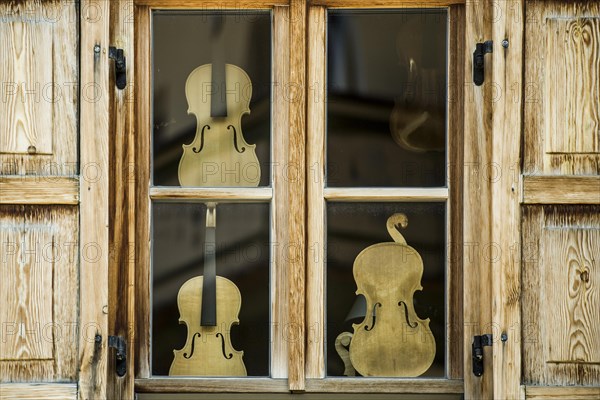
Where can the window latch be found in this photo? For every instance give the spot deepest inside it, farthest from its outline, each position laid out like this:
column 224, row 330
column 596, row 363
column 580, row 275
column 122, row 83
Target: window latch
column 481, row 49
column 120, row 345
column 120, row 66
column 477, row 352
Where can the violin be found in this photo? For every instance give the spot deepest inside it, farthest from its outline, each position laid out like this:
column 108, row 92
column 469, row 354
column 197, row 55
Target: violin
column 392, row 340
column 208, row 305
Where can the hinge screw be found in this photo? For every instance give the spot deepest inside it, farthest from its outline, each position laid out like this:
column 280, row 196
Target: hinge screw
column 505, row 43
column 97, row 49
column 504, row 337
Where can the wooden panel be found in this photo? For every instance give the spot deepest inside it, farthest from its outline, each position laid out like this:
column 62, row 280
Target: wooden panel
column 39, row 88
column 561, row 190
column 315, row 124
column 560, row 92
column 208, row 385
column 279, row 206
column 296, row 193
column 200, row 194
column 39, row 190
column 572, row 107
column 477, row 267
column 94, row 196
column 385, row 3
column 561, row 392
column 560, row 311
column 38, row 293
column 571, row 277
column 387, row 194
column 384, row 385
column 212, row 4
column 507, row 76
column 36, row 391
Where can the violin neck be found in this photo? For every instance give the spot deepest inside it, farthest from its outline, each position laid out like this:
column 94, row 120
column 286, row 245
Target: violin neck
column 208, row 315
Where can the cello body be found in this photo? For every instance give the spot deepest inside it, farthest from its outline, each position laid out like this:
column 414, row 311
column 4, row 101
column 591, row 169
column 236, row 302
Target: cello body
column 208, row 350
column 219, row 155
column 392, row 341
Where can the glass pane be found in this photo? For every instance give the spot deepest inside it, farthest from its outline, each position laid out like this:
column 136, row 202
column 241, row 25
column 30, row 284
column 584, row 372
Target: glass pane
column 179, row 236
column 386, row 273
column 185, row 46
column 386, row 100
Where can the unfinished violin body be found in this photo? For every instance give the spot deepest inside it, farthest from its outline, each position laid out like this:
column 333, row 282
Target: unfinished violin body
column 392, row 340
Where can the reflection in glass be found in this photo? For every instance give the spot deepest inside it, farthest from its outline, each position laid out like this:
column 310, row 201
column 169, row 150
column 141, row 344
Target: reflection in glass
column 386, row 98
column 242, row 256
column 183, row 42
column 352, row 228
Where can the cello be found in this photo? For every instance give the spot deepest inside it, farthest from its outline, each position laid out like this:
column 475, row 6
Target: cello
column 392, row 340
column 209, row 305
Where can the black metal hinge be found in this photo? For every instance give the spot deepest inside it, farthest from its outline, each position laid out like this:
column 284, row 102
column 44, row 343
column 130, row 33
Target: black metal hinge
column 477, row 352
column 120, row 66
column 120, row 345
column 481, row 49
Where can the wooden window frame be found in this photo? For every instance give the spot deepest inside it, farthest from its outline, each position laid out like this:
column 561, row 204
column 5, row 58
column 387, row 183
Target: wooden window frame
column 318, row 195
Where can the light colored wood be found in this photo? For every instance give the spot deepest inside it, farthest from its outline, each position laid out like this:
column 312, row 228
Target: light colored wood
column 279, row 206
column 386, row 194
column 477, row 290
column 208, row 350
column 260, row 194
column 573, row 66
column 572, row 109
column 39, row 190
column 39, row 104
column 143, row 81
column 342, row 342
column 39, row 293
column 384, row 385
column 507, row 65
column 211, row 385
column 296, row 193
column 219, row 155
column 206, row 5
column 558, row 240
column 315, row 225
column 561, row 190
column 455, row 121
column 385, row 3
column 36, row 391
column 122, row 216
column 392, row 340
column 561, row 392
column 571, row 275
column 94, row 194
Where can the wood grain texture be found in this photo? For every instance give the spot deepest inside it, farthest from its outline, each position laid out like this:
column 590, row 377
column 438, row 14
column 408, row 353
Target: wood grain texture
column 212, row 4
column 572, row 109
column 36, row 391
column 315, row 153
column 507, row 75
column 39, row 190
column 549, row 106
column 477, row 225
column 386, row 194
column 296, row 197
column 229, row 195
column 385, row 3
column 39, row 96
column 122, row 216
column 556, row 305
column 454, row 282
column 570, row 283
column 561, row 190
column 94, row 197
column 142, row 183
column 279, row 205
column 561, row 392
column 212, row 385
column 384, row 385
column 38, row 293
